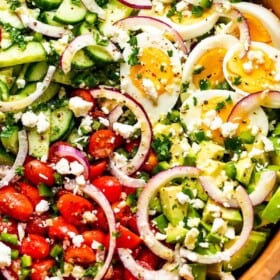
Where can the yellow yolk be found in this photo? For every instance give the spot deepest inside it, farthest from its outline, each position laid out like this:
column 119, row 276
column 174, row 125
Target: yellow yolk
column 257, row 31
column 155, row 66
column 212, row 63
column 256, row 77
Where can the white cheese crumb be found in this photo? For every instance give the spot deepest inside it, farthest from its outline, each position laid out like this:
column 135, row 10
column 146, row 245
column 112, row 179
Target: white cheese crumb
column 104, row 121
column 77, row 240
column 20, row 83
column 89, row 216
column 228, row 129
column 219, row 226
column 76, row 168
column 29, row 119
column 42, row 206
column 42, row 123
column 193, row 222
column 182, row 198
column 62, row 166
column 5, row 256
column 150, row 89
column 268, row 145
column 160, row 236
column 79, row 106
column 125, row 130
column 190, row 238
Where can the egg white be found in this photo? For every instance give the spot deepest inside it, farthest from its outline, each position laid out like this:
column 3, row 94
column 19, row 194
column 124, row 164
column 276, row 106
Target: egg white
column 267, row 18
column 164, row 102
column 191, row 113
column 271, row 52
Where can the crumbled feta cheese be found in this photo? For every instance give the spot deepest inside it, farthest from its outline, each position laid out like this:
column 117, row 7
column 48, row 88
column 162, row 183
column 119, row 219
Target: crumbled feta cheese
column 96, row 245
column 77, row 240
column 256, row 56
column 20, row 83
column 42, row 123
column 89, row 216
column 230, row 233
column 104, row 121
column 21, row 230
column 185, row 271
column 190, row 238
column 255, row 152
column 160, row 236
column 150, row 89
column 29, row 119
column 197, row 203
column 62, row 166
column 42, row 206
column 193, row 222
column 248, row 67
column 125, row 130
column 182, row 198
column 228, row 129
column 5, row 256
column 79, row 106
column 78, row 272
column 209, row 117
column 86, row 123
column 219, row 226
column 268, row 145
column 80, row 180
column 76, row 168
column 216, row 123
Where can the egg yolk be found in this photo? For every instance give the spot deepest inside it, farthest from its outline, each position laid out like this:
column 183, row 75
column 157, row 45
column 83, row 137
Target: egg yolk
column 153, row 74
column 252, row 75
column 211, row 65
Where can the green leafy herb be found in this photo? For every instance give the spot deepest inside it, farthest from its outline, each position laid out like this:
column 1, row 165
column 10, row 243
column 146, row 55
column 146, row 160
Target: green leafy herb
column 161, row 146
column 184, row 87
column 16, row 35
column 204, row 84
column 20, row 171
column 233, row 144
column 237, row 80
column 198, row 70
column 220, row 106
column 197, row 11
column 13, row 4
column 102, row 3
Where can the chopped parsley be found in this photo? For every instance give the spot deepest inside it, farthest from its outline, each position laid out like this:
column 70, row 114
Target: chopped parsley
column 161, row 145
column 16, row 35
column 237, row 80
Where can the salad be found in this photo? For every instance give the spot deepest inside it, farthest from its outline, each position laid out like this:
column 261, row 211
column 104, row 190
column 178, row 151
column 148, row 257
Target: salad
column 139, row 139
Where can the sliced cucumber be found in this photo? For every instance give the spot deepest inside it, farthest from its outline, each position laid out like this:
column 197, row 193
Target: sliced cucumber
column 33, row 52
column 99, row 54
column 48, row 17
column 86, row 28
column 36, row 71
column 6, row 158
column 70, row 12
column 60, row 121
column 9, row 139
column 61, row 78
column 39, row 143
column 7, row 76
column 4, row 91
column 81, row 60
column 47, row 4
column 9, row 17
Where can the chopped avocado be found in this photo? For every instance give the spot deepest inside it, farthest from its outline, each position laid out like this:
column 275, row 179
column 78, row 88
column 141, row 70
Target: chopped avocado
column 244, row 170
column 248, row 252
column 257, row 150
column 272, row 210
column 211, row 167
column 198, row 271
column 195, row 186
column 9, row 138
column 175, row 234
column 171, row 207
column 210, row 150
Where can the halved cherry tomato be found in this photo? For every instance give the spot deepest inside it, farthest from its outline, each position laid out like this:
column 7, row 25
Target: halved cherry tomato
column 15, row 205
column 132, row 224
column 110, row 186
column 126, row 238
column 147, row 256
column 38, row 172
column 97, row 169
column 31, row 192
column 122, row 212
column 35, row 246
column 84, row 94
column 37, row 224
column 61, row 229
column 40, row 268
column 132, row 145
column 9, row 226
column 72, row 208
column 102, row 143
column 117, row 273
column 151, row 161
column 95, row 235
column 101, row 221
column 80, row 255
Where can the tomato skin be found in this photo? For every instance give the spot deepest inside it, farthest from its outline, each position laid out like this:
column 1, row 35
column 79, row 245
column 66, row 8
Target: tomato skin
column 9, row 226
column 147, row 256
column 132, row 224
column 80, row 255
column 38, row 172
column 36, row 224
column 101, row 221
column 127, row 239
column 97, row 169
column 110, row 186
column 15, row 205
column 40, row 269
column 72, row 207
column 31, row 192
column 102, row 143
column 60, row 229
column 151, row 161
column 95, row 235
column 35, row 246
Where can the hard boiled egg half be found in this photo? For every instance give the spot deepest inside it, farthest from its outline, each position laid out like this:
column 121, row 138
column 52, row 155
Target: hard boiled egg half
column 258, row 70
column 208, row 111
column 154, row 80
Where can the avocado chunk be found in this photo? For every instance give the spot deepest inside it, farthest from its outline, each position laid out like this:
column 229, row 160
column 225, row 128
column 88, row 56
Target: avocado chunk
column 175, row 234
column 210, row 150
column 9, row 138
column 272, row 210
column 248, row 252
column 198, row 271
column 244, row 170
column 171, row 207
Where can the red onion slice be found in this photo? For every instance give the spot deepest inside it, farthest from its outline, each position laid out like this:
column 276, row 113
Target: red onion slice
column 140, row 272
column 142, row 215
column 19, row 161
column 68, row 151
column 227, row 10
column 81, row 42
column 92, row 6
column 262, row 189
column 99, row 198
column 11, row 106
column 248, row 218
column 137, row 4
column 137, row 22
column 38, row 26
column 269, row 99
column 146, row 130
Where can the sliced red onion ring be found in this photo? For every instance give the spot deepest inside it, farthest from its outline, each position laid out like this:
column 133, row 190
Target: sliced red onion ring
column 81, row 42
column 248, row 217
column 99, row 198
column 142, row 215
column 46, row 29
column 140, row 272
column 136, row 22
column 115, row 114
column 262, row 189
column 227, row 10
column 92, row 6
column 146, row 130
column 19, row 161
column 11, row 106
column 63, row 150
column 7, row 274
column 137, row 4
column 269, row 99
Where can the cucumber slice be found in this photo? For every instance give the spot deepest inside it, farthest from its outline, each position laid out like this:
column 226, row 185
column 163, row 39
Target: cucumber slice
column 6, row 158
column 99, row 54
column 70, row 12
column 9, row 139
column 48, row 17
column 47, row 4
column 60, row 121
column 33, row 52
column 36, row 71
column 4, row 91
column 61, row 78
column 81, row 60
column 9, row 17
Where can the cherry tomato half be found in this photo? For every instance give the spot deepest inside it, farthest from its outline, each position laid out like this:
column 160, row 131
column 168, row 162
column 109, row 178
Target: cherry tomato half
column 97, row 169
column 84, row 94
column 61, row 229
column 95, row 235
column 31, row 192
column 40, row 269
column 80, row 255
column 127, row 239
